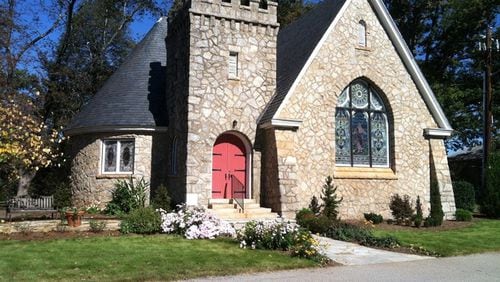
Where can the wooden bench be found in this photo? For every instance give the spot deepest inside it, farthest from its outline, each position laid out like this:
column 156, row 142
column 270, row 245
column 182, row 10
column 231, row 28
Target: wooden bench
column 30, row 205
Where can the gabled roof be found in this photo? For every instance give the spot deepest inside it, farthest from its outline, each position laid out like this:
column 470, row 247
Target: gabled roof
column 295, row 45
column 134, row 97
column 299, row 43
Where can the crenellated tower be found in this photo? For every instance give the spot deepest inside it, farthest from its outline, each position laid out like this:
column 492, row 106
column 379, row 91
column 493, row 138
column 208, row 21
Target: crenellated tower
column 229, row 48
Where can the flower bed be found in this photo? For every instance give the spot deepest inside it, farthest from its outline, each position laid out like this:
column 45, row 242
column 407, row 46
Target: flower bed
column 194, row 223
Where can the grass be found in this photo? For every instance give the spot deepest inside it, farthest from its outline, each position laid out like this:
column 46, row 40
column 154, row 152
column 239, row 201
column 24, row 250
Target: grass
column 158, row 257
column 482, row 236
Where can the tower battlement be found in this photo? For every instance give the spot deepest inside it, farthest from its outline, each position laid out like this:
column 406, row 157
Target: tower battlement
column 235, row 10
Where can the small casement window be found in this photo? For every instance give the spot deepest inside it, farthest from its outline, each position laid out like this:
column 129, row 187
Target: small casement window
column 173, row 157
column 118, row 156
column 233, row 65
column 362, row 33
column 361, row 127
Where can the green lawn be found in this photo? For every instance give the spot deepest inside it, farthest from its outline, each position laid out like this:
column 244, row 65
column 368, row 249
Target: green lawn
column 158, row 257
column 482, row 236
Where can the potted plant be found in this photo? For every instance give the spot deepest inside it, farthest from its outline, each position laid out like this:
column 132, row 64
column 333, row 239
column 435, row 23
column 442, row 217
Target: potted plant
column 73, row 216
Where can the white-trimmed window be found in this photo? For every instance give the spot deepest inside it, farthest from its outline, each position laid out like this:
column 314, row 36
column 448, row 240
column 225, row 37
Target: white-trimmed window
column 117, row 156
column 362, row 33
column 173, row 157
column 232, row 65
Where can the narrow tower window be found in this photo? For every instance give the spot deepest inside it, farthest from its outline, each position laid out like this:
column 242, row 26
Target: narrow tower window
column 362, row 33
column 233, row 65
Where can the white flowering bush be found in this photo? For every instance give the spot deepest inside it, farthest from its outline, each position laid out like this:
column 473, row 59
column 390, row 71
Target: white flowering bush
column 279, row 235
column 194, row 223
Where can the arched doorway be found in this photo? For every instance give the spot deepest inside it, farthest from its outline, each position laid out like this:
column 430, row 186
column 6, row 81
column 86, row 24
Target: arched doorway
column 229, row 167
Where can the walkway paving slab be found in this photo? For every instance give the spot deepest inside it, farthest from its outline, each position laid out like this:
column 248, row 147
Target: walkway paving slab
column 353, row 254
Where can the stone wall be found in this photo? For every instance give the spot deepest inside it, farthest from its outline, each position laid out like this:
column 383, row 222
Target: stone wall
column 439, row 162
column 90, row 186
column 216, row 102
column 307, row 156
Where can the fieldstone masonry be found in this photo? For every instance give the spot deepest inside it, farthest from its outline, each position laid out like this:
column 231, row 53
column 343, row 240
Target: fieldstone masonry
column 288, row 166
column 218, row 103
column 307, row 156
column 90, row 186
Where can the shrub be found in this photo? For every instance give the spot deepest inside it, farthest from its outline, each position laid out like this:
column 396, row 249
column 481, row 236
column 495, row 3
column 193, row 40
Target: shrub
column 269, row 235
column 143, row 220
column 330, row 202
column 314, row 206
column 127, row 197
column 352, row 233
column 315, row 224
column 97, row 226
column 419, row 217
column 194, row 223
column 436, row 215
column 303, row 213
column 491, row 201
column 374, row 218
column 62, row 195
column 161, row 199
column 279, row 235
column 464, row 195
column 401, row 208
column 463, row 215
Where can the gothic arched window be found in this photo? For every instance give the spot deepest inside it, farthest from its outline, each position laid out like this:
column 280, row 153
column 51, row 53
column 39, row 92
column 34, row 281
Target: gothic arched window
column 361, row 127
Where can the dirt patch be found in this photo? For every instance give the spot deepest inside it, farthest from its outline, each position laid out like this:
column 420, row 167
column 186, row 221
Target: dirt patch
column 447, row 225
column 38, row 236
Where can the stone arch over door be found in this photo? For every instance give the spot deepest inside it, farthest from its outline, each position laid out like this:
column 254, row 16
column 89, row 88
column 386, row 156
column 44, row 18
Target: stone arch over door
column 231, row 166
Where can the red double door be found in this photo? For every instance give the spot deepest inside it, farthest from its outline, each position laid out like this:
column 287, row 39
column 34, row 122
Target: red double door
column 229, row 168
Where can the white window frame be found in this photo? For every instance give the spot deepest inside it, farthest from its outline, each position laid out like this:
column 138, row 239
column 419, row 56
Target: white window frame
column 362, row 40
column 118, row 156
column 232, row 67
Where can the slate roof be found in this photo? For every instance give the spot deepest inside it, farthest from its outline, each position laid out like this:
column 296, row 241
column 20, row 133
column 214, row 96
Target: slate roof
column 296, row 43
column 134, row 96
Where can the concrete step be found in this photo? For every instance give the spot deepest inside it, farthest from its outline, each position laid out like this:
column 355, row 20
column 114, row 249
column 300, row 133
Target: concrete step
column 221, row 206
column 228, row 209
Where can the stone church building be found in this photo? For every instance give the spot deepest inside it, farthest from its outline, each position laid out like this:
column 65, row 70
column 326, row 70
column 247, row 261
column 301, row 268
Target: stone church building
column 219, row 102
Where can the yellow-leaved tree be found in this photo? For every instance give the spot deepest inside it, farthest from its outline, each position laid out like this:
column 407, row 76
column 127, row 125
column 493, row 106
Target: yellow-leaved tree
column 26, row 144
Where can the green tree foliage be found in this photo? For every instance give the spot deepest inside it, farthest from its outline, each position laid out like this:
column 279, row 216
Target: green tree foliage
column 491, row 202
column 95, row 41
column 330, row 202
column 443, row 36
column 291, row 10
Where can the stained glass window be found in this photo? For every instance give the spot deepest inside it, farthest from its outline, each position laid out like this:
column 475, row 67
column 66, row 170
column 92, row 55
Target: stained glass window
column 118, row 156
column 361, row 127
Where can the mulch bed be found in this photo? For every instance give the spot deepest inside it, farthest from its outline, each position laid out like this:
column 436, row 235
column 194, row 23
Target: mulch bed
column 39, row 236
column 447, row 225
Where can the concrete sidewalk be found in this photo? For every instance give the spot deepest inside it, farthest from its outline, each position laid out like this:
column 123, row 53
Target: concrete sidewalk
column 353, row 254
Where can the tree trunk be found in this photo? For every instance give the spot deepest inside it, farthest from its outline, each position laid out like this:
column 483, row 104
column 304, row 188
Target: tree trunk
column 25, row 178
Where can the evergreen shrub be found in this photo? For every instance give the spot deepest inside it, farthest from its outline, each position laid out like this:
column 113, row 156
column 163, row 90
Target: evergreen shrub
column 464, row 195
column 436, row 215
column 374, row 218
column 142, row 220
column 161, row 199
column 491, row 202
column 330, row 202
column 401, row 208
column 463, row 215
